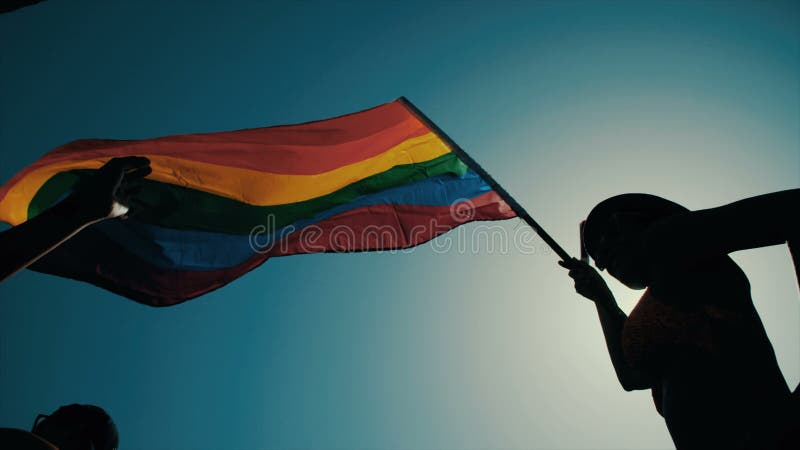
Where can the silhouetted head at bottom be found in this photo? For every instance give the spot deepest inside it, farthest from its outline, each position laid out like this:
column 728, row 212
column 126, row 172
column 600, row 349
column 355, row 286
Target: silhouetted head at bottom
column 78, row 427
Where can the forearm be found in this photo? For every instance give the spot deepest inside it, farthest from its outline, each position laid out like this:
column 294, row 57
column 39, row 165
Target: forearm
column 765, row 220
column 589, row 284
column 612, row 320
column 29, row 241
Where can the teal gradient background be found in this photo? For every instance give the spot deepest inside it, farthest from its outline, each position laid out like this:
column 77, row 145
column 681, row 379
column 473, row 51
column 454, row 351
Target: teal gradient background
column 565, row 103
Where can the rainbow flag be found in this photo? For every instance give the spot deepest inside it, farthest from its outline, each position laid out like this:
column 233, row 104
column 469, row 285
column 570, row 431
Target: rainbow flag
column 217, row 205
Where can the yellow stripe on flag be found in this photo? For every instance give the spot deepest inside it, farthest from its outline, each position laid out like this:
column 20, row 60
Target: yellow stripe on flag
column 245, row 185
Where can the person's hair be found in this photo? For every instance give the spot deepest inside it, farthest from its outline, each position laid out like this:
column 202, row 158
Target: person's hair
column 78, row 427
column 650, row 207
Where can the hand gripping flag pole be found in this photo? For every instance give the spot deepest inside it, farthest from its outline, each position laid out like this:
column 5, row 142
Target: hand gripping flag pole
column 515, row 206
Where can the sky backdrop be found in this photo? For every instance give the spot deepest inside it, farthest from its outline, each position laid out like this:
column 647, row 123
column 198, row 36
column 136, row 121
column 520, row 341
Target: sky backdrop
column 565, row 103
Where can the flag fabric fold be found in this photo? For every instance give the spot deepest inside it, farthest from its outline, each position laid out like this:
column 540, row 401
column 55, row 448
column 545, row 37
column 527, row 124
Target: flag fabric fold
column 217, row 205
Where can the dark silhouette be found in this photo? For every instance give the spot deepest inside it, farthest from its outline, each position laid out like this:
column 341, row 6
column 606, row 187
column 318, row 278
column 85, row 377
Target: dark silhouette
column 13, row 5
column 104, row 195
column 78, row 427
column 694, row 338
column 71, row 427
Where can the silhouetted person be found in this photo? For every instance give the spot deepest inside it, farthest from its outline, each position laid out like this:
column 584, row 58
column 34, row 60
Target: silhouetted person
column 71, row 427
column 104, row 195
column 694, row 338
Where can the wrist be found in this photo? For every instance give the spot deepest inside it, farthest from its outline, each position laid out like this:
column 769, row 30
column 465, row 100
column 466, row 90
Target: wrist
column 69, row 210
column 606, row 301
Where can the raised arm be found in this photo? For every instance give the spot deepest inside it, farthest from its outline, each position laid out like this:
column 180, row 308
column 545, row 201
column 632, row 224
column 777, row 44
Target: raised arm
column 105, row 195
column 591, row 285
column 769, row 219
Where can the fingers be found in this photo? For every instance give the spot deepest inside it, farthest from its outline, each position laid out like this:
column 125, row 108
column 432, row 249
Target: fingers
column 138, row 173
column 130, row 190
column 571, row 263
column 127, row 163
column 579, row 271
column 123, row 172
column 588, row 282
column 580, row 276
column 576, row 265
column 132, row 167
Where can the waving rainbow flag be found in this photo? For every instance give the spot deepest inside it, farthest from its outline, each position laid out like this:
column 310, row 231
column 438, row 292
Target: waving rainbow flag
column 217, row 205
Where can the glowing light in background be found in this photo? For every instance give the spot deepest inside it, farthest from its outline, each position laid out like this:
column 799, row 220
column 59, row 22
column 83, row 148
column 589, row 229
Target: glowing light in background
column 564, row 103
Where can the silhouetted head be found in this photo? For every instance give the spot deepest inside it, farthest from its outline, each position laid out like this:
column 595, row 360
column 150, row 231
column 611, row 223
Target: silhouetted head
column 78, row 427
column 614, row 223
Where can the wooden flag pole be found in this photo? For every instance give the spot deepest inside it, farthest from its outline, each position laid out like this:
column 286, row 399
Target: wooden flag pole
column 516, row 207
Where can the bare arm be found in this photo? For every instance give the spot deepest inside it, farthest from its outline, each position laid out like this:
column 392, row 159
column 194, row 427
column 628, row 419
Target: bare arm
column 591, row 285
column 769, row 219
column 24, row 244
column 103, row 196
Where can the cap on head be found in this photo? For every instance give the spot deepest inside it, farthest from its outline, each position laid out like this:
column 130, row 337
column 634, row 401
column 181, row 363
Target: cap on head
column 650, row 207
